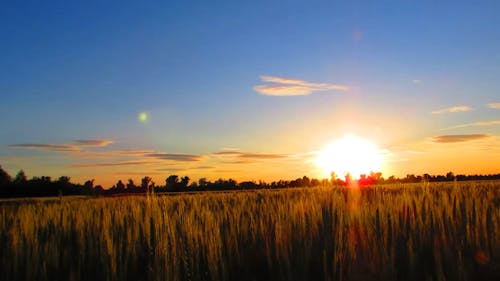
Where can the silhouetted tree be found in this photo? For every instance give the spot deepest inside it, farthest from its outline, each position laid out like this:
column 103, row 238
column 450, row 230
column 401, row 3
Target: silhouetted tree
column 5, row 178
column 131, row 184
column 45, row 179
column 193, row 186
column 184, row 181
column 89, row 184
column 44, row 186
column 172, row 180
column 145, row 182
column 64, row 180
column 305, row 181
column 203, row 183
column 248, row 185
column 98, row 189
column 172, row 183
column 120, row 187
column 426, row 177
column 63, row 185
column 376, row 177
column 20, row 178
column 222, row 184
column 314, row 182
column 88, row 187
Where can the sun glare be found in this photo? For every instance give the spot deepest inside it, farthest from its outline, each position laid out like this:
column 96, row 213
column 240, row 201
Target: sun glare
column 351, row 155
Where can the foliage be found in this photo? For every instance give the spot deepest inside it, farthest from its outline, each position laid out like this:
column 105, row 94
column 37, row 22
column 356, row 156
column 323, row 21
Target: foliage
column 5, row 178
column 20, row 186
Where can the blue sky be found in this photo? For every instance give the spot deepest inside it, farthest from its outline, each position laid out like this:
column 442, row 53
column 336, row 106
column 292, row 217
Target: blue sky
column 84, row 71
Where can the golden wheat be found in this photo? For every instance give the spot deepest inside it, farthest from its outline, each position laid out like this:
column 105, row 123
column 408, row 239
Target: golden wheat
column 445, row 231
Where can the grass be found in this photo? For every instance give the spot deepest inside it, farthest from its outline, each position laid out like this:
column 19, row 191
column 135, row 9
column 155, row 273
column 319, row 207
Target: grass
column 422, row 231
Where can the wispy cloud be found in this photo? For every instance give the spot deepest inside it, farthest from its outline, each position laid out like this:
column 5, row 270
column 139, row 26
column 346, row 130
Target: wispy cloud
column 494, row 105
column 131, row 152
column 228, row 153
column 459, row 138
column 125, row 163
column 261, row 156
column 239, row 162
column 293, row 87
column 142, row 173
column 178, row 169
column 41, row 146
column 93, row 143
column 202, row 168
column 175, row 157
column 475, row 124
column 460, row 108
column 249, row 155
column 74, row 146
column 79, row 149
column 170, row 169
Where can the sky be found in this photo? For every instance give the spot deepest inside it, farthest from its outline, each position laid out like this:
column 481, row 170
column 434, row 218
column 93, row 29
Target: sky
column 249, row 90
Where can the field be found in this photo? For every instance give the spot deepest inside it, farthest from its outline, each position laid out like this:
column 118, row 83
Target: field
column 445, row 231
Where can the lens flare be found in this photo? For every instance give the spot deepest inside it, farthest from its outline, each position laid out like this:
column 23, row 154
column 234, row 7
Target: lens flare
column 143, row 117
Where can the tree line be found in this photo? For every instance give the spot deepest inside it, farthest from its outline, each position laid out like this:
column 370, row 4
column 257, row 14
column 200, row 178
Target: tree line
column 21, row 186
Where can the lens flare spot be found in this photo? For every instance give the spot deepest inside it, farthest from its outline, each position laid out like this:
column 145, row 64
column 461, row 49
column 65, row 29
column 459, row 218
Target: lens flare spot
column 481, row 257
column 143, row 117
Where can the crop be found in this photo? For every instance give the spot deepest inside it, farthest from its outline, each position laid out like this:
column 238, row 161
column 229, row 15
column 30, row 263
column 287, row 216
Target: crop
column 445, row 231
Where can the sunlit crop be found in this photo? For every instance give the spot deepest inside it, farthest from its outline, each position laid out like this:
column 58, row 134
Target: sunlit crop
column 401, row 232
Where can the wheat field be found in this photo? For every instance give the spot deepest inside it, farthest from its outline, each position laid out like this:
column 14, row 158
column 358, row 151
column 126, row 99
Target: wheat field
column 437, row 231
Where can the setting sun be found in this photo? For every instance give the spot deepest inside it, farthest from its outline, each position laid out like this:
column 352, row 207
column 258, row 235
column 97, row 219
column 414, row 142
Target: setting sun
column 351, row 155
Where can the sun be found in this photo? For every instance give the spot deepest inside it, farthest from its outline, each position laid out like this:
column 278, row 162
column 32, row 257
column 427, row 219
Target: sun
column 350, row 154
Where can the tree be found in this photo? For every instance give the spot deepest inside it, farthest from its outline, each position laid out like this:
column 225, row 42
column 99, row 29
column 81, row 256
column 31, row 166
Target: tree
column 172, row 182
column 193, row 185
column 184, row 181
column 315, row 182
column 427, row 177
column 203, row 183
column 89, row 184
column 146, row 182
column 5, row 178
column 120, row 186
column 305, row 181
column 376, row 177
column 88, row 187
column 45, row 179
column 63, row 180
column 130, row 184
column 20, row 178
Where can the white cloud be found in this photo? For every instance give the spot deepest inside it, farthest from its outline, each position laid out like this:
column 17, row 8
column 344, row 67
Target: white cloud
column 294, row 87
column 459, row 138
column 460, row 108
column 77, row 145
column 494, row 105
column 476, row 124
